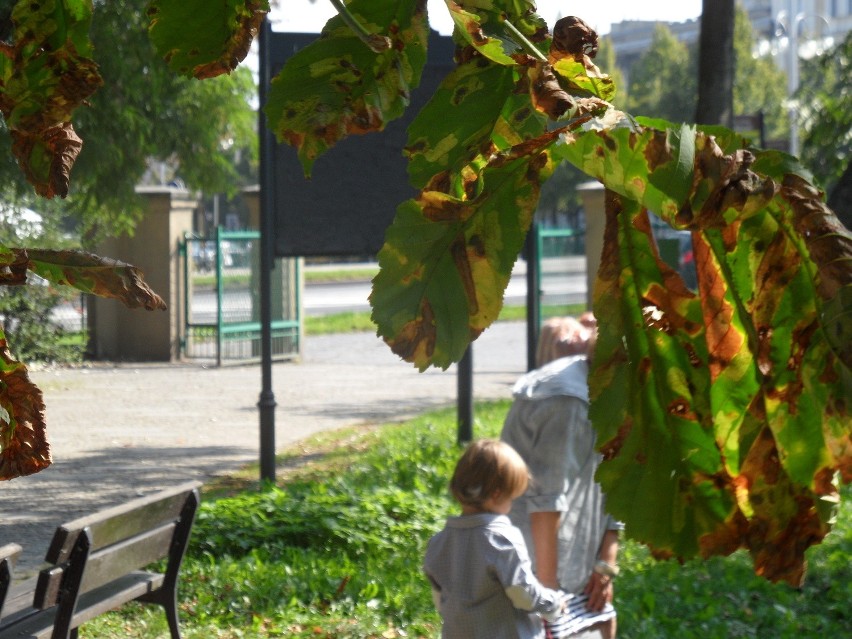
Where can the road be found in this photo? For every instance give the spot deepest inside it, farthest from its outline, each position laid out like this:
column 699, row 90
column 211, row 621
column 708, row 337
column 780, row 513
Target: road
column 563, row 281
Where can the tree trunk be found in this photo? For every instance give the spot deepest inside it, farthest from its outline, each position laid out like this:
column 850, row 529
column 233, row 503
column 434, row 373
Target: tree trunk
column 840, row 200
column 716, row 64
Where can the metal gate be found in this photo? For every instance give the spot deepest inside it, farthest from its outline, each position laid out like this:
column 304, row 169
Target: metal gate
column 222, row 300
column 560, row 270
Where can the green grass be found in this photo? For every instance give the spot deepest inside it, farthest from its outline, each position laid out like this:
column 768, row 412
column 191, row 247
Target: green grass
column 208, row 280
column 334, row 551
column 348, row 322
column 352, row 321
column 312, row 276
column 316, row 276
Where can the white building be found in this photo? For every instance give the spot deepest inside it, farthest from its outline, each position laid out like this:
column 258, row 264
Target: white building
column 819, row 23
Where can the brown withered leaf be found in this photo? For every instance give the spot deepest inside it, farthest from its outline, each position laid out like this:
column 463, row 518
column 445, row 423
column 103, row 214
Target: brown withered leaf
column 24, row 449
column 47, row 157
column 15, row 272
column 91, row 273
column 547, row 95
column 573, row 38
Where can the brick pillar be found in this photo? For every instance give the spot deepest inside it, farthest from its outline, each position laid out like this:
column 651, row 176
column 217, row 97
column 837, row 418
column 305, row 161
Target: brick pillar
column 122, row 334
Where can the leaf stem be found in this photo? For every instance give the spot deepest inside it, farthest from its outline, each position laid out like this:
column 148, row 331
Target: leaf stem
column 377, row 43
column 521, row 39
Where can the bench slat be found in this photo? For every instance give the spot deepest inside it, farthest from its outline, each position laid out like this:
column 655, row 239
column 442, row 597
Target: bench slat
column 8, row 556
column 107, row 564
column 90, row 605
column 18, row 599
column 113, row 524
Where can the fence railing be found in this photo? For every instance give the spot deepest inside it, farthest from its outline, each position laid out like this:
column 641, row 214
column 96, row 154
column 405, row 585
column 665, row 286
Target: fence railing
column 222, row 301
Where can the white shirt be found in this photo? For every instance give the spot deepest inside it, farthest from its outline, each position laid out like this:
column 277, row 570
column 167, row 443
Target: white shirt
column 548, row 425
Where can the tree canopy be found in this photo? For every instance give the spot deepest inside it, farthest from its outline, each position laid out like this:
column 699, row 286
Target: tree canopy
column 722, row 412
column 141, row 112
column 663, row 81
column 824, row 102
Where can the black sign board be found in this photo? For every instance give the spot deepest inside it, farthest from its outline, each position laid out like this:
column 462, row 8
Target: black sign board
column 354, row 189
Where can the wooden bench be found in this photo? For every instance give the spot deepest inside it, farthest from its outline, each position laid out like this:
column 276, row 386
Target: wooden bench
column 97, row 563
column 8, row 554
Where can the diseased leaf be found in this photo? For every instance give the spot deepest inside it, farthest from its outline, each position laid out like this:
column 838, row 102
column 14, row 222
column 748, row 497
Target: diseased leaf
column 650, row 393
column 23, row 444
column 775, row 372
column 684, row 408
column 47, row 157
column 446, row 261
column 45, row 74
column 585, row 80
column 481, row 26
column 220, row 37
column 573, row 46
column 337, row 86
column 92, row 274
column 489, row 116
column 573, row 38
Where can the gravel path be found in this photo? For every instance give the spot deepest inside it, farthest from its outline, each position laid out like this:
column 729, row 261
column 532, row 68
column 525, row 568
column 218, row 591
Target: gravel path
column 121, row 431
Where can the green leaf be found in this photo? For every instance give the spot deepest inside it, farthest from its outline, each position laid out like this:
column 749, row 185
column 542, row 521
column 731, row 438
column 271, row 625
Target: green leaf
column 585, row 82
column 480, row 25
column 446, row 262
column 769, row 257
column 203, row 39
column 337, row 86
column 488, row 115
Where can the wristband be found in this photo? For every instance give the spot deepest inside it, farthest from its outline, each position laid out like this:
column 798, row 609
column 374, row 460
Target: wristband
column 606, row 569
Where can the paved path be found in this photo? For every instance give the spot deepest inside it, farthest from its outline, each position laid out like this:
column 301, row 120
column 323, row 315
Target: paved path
column 118, row 432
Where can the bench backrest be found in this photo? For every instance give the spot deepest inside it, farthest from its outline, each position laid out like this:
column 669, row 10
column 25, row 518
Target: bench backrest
column 8, row 555
column 92, row 551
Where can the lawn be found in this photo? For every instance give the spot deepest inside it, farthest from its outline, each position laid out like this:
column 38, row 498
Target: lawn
column 334, row 551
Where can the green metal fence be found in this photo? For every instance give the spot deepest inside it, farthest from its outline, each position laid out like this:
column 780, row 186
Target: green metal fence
column 222, row 301
column 560, row 271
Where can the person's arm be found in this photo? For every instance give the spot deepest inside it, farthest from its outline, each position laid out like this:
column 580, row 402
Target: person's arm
column 544, row 527
column 599, row 588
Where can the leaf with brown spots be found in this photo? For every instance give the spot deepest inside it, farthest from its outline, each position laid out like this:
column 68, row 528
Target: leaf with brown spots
column 337, row 86
column 45, row 74
column 764, row 362
column 490, row 115
column 220, row 37
column 90, row 273
column 482, row 27
column 446, row 261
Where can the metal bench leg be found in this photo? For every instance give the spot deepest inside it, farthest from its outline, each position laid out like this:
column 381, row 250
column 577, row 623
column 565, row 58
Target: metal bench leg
column 172, row 616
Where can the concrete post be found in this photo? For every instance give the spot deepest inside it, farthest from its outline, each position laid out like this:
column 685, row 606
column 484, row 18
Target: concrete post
column 122, row 334
column 592, row 195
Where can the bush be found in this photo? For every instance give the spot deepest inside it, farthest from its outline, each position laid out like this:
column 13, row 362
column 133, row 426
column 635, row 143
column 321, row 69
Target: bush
column 31, row 332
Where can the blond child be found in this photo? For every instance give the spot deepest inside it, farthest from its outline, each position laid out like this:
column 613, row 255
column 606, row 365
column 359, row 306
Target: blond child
column 482, row 579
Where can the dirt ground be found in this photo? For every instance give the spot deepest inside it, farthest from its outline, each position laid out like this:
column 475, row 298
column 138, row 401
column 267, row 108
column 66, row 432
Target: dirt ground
column 122, row 431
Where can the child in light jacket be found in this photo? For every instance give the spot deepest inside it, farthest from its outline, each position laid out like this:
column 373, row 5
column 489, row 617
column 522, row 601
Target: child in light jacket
column 478, row 565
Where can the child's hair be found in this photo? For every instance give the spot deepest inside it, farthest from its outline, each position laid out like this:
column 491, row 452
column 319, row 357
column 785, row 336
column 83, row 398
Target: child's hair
column 488, row 467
